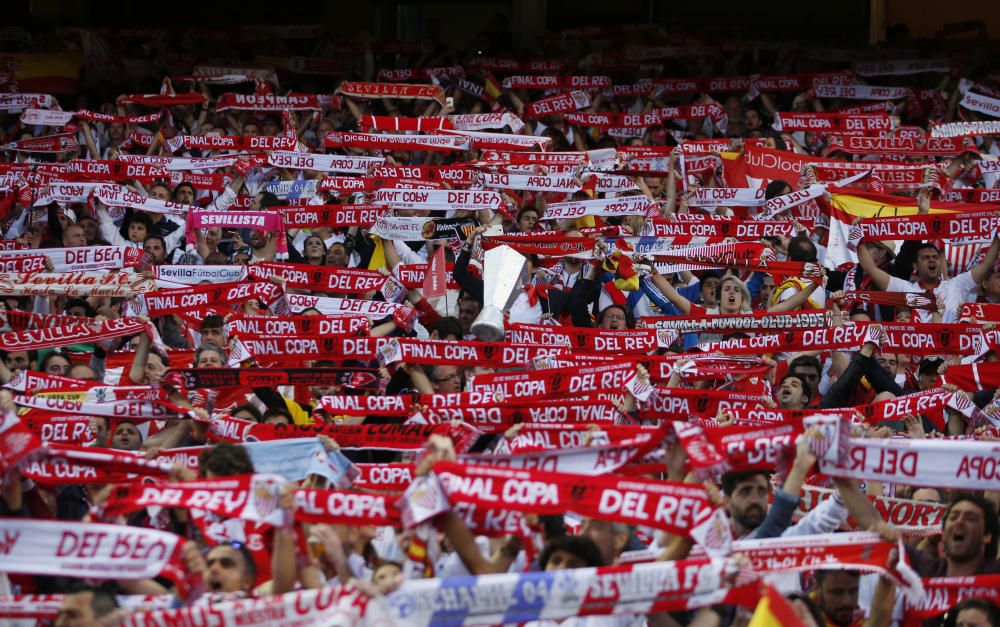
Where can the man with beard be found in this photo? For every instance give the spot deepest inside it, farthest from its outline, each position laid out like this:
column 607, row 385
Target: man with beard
column 929, row 267
column 970, row 532
column 748, row 492
column 836, row 594
column 263, row 245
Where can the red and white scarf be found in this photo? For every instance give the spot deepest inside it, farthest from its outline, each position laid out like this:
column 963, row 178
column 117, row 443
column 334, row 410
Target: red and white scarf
column 638, row 205
column 959, row 464
column 861, row 92
column 438, row 199
column 385, row 141
column 322, row 163
column 90, row 550
column 334, row 216
column 392, row 90
column 980, row 104
column 267, row 102
column 75, row 284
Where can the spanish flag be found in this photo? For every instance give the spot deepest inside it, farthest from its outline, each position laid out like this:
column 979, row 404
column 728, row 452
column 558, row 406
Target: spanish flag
column 44, row 72
column 491, row 89
column 774, row 610
column 845, row 208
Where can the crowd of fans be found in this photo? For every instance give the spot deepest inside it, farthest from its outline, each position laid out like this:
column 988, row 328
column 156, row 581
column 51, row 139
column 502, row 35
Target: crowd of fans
column 278, row 347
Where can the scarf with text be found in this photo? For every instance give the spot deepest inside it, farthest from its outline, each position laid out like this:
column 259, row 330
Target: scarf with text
column 861, row 92
column 77, row 333
column 346, row 324
column 267, row 102
column 694, row 226
column 90, row 550
column 791, row 122
column 321, row 278
column 253, row 143
column 438, row 199
column 979, row 226
column 392, row 90
column 334, row 216
column 197, row 378
column 52, row 143
column 941, row 594
column 913, row 519
column 184, row 299
column 757, row 321
column 75, row 284
column 22, row 264
column 638, row 205
column 46, row 117
column 953, row 463
column 550, row 245
column 121, row 196
column 86, row 258
column 675, row 507
column 387, row 437
column 980, row 104
column 330, row 605
column 863, row 551
column 625, row 341
column 553, row 105
column 385, row 141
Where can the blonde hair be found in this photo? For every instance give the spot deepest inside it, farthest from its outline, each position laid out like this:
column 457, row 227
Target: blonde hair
column 745, row 302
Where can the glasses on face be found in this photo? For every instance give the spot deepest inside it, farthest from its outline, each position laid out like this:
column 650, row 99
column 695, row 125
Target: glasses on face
column 452, row 377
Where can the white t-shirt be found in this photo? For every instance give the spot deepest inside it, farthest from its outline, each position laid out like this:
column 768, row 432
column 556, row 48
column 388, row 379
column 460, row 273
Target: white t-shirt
column 954, row 291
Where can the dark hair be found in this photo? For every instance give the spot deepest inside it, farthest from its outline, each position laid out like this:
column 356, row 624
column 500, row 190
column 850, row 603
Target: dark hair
column 267, row 199
column 985, row 606
column 733, row 478
column 79, row 302
column 526, row 209
column 806, row 389
column 467, row 296
column 580, row 546
column 45, row 360
column 629, row 316
column 156, row 236
column 821, row 574
column 213, row 321
column 277, row 411
column 248, row 560
column 250, row 409
column 216, row 259
column 184, row 184
column 923, row 245
column 448, row 325
column 225, row 460
column 779, row 141
column 991, row 523
column 805, row 361
column 801, row 248
column 775, row 188
column 552, row 525
column 929, row 365
column 142, row 219
column 810, row 604
column 32, row 354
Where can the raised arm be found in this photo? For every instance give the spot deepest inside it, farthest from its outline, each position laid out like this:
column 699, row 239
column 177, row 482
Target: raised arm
column 879, row 277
